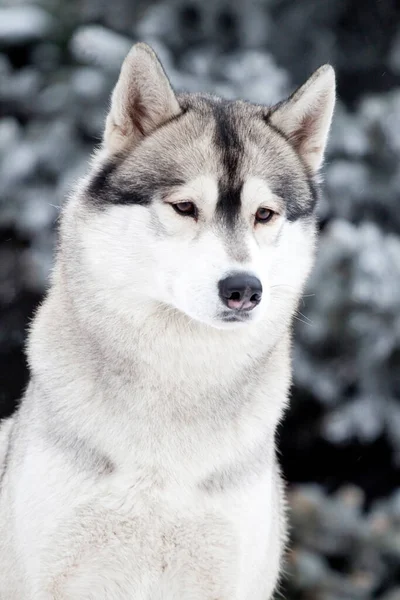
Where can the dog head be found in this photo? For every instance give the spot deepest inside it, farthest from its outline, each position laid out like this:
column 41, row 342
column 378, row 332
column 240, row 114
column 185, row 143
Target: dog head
column 200, row 204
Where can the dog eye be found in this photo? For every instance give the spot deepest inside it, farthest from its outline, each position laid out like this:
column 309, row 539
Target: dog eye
column 186, row 209
column 264, row 215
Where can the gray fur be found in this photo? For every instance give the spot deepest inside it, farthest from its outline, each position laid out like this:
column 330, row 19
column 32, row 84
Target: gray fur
column 141, row 462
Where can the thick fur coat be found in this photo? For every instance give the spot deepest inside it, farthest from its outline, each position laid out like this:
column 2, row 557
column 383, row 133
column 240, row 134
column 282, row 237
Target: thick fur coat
column 141, row 462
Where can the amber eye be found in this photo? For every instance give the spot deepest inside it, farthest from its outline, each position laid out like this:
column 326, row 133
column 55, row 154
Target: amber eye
column 186, row 209
column 264, row 215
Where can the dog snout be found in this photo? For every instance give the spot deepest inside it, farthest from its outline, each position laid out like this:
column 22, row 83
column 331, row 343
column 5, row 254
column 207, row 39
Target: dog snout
column 241, row 291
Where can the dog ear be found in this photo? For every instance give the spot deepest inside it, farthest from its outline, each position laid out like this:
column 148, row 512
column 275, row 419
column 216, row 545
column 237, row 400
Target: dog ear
column 305, row 118
column 142, row 100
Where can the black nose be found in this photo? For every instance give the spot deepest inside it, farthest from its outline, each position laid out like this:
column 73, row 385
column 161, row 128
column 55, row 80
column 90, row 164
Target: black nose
column 240, row 291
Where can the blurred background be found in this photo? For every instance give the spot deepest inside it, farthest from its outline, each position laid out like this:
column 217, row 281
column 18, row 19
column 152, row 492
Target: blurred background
column 340, row 442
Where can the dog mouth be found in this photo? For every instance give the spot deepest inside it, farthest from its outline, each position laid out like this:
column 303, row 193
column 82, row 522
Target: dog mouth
column 235, row 316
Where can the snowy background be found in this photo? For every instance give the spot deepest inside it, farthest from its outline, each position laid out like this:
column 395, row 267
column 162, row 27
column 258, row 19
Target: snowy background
column 340, row 443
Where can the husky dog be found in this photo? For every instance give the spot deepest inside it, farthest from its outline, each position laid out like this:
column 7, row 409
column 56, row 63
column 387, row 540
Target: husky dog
column 141, row 463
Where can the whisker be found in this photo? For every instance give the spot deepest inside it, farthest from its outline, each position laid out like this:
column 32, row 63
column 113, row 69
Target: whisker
column 301, row 320
column 279, row 285
column 305, row 316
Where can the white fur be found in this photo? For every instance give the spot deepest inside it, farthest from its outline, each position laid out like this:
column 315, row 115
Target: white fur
column 141, row 463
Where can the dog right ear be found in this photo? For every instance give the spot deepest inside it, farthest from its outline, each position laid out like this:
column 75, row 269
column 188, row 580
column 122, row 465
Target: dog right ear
column 142, row 100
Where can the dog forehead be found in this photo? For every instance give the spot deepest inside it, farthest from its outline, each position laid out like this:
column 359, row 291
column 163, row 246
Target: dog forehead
column 248, row 150
column 209, row 136
column 227, row 141
column 183, row 144
column 251, row 160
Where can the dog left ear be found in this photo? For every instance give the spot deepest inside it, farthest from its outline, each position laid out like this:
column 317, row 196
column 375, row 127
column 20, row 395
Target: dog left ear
column 142, row 100
column 305, row 118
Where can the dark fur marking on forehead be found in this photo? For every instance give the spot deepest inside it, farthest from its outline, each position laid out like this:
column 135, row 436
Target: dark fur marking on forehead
column 226, row 137
column 106, row 188
column 230, row 148
column 229, row 201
